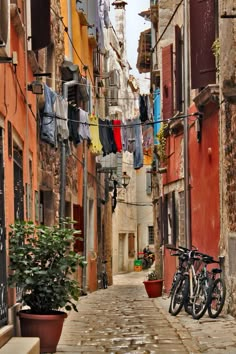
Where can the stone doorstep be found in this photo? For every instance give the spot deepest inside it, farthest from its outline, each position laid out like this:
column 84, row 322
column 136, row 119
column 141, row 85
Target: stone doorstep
column 21, row 345
column 6, row 333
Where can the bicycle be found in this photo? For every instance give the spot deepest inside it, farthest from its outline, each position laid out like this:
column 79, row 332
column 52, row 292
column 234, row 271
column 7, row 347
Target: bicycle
column 104, row 275
column 218, row 291
column 182, row 258
column 179, row 289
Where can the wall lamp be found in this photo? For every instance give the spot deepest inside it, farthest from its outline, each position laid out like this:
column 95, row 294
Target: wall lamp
column 36, row 87
column 125, row 180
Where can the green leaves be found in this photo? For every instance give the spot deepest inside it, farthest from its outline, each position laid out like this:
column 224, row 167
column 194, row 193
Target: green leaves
column 42, row 262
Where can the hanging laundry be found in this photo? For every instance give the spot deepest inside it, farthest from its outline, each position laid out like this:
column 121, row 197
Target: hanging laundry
column 73, row 124
column 106, row 137
column 144, row 108
column 138, row 153
column 117, row 134
column 48, row 119
column 84, row 132
column 96, row 146
column 61, row 109
column 130, row 130
column 124, row 137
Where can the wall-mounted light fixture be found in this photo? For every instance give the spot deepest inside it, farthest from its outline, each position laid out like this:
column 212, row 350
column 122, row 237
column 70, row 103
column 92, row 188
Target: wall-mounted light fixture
column 36, row 87
column 125, row 179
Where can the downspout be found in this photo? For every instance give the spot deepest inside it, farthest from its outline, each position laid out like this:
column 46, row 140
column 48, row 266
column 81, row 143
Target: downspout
column 186, row 131
column 69, row 19
column 85, row 197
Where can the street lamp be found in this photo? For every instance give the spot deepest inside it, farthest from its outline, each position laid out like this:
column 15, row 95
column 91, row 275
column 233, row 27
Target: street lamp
column 125, row 179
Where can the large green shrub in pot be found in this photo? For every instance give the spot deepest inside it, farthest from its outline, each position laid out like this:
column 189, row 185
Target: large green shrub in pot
column 42, row 264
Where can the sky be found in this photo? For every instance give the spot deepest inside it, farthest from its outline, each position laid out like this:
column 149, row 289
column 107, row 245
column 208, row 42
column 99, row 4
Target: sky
column 134, row 25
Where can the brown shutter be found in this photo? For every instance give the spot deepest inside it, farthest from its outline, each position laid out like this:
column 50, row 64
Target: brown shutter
column 173, row 218
column 79, row 225
column 167, row 81
column 131, row 249
column 202, row 31
column 40, row 23
column 165, row 219
column 178, row 70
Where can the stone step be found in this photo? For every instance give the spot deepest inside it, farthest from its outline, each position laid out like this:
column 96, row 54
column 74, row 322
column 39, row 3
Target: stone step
column 21, row 345
column 6, row 333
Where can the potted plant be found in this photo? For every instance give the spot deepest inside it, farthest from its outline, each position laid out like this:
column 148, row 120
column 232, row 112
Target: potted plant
column 42, row 264
column 153, row 284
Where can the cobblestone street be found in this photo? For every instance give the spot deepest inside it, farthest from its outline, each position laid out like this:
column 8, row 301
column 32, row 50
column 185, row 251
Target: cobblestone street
column 122, row 319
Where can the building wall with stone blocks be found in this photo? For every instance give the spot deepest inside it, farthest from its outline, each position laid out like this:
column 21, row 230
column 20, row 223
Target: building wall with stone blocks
column 227, row 134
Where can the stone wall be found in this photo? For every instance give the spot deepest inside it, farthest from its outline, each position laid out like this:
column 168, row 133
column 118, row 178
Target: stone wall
column 227, row 131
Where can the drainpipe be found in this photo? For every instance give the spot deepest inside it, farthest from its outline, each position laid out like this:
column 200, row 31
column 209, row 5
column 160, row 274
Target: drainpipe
column 66, row 85
column 186, row 104
column 69, row 19
column 85, row 197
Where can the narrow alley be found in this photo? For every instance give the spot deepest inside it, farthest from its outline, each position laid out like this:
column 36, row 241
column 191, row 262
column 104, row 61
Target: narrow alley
column 122, row 319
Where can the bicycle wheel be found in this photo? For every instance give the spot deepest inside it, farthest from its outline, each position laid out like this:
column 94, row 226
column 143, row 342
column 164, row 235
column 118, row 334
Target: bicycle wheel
column 104, row 281
column 179, row 295
column 175, row 280
column 201, row 299
column 217, row 298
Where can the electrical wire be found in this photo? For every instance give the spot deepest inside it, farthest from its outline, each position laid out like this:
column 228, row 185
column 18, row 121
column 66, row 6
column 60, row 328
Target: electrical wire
column 66, row 30
column 23, row 95
column 166, row 120
column 165, row 29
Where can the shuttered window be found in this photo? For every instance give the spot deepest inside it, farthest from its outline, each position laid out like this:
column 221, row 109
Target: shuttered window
column 40, row 23
column 167, row 81
column 202, row 31
column 148, row 181
column 178, row 70
column 168, row 219
column 131, row 246
column 79, row 225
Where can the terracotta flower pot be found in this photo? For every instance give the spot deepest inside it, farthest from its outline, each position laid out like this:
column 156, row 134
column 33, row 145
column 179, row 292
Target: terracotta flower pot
column 47, row 327
column 153, row 287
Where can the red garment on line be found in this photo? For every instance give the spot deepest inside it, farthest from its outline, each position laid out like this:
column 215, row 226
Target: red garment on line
column 117, row 134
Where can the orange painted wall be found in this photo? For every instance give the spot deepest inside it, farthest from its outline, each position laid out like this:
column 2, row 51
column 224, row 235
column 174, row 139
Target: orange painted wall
column 83, row 56
column 13, row 108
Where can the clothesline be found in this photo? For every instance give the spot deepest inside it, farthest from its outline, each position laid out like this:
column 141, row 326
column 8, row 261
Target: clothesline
column 166, row 120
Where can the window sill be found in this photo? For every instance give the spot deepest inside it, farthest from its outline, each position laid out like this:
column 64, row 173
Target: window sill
column 209, row 94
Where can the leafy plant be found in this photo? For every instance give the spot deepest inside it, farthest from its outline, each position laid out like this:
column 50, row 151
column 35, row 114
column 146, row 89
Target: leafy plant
column 161, row 147
column 216, row 52
column 42, row 264
column 152, row 275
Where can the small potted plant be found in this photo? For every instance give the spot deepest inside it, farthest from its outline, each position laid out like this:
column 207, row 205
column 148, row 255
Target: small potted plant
column 42, row 263
column 153, row 284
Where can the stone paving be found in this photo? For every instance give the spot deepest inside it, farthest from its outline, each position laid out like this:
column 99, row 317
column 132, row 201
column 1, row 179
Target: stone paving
column 122, row 319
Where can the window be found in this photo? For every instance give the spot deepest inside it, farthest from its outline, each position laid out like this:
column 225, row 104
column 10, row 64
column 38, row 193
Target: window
column 168, row 220
column 203, row 26
column 167, row 81
column 150, row 235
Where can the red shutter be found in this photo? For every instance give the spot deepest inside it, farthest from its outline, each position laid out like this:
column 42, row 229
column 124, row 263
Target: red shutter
column 178, row 70
column 167, row 81
column 202, row 31
column 40, row 23
column 78, row 216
